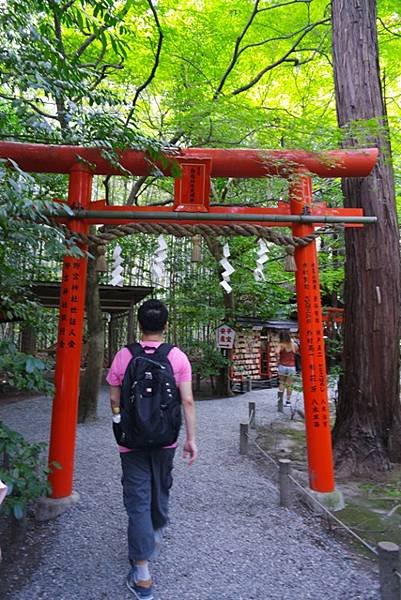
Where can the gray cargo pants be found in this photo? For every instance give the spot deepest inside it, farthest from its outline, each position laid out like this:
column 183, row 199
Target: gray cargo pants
column 147, row 479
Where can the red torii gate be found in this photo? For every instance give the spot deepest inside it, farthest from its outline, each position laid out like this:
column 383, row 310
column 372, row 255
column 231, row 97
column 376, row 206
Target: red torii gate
column 191, row 206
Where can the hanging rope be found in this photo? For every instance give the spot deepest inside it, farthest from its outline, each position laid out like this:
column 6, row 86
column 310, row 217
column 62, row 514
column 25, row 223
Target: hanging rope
column 288, row 241
column 113, row 233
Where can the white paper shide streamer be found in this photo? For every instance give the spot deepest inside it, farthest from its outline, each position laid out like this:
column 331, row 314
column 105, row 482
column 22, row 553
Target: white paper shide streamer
column 260, row 261
column 116, row 274
column 228, row 270
column 158, row 267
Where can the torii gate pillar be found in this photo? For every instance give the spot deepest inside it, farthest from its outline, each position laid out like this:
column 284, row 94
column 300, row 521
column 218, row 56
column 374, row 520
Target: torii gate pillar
column 69, row 345
column 314, row 379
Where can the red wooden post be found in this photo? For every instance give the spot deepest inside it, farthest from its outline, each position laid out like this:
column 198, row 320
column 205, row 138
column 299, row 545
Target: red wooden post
column 318, row 435
column 69, row 345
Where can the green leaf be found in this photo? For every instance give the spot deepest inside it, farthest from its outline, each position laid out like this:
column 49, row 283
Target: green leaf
column 30, row 365
column 18, row 511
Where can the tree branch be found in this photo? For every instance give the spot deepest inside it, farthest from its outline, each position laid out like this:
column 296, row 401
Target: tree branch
column 195, row 68
column 133, row 195
column 31, row 104
column 388, row 29
column 92, row 37
column 162, row 203
column 104, row 73
column 57, row 27
column 236, row 50
column 60, row 102
column 307, row 27
column 89, row 40
column 155, row 63
column 67, row 5
column 101, row 54
column 273, row 6
column 281, row 60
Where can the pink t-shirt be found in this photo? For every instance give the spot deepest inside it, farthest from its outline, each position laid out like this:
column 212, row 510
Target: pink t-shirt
column 179, row 361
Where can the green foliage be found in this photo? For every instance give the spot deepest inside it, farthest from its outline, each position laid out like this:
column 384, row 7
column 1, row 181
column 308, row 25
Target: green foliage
column 56, row 84
column 23, row 231
column 334, row 348
column 331, row 265
column 206, row 359
column 22, row 371
column 23, row 470
column 265, row 299
column 56, row 70
column 89, row 72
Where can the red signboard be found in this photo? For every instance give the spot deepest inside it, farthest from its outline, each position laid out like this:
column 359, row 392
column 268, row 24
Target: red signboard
column 192, row 189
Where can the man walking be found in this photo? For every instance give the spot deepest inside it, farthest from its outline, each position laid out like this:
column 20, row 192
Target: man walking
column 147, row 471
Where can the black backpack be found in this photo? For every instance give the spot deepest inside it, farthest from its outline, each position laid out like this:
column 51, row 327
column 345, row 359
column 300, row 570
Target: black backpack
column 150, row 401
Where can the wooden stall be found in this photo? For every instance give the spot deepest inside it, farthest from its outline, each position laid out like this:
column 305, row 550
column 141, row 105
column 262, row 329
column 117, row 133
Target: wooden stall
column 253, row 355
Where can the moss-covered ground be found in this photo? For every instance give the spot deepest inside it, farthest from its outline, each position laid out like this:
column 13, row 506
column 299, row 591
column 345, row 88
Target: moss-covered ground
column 372, row 506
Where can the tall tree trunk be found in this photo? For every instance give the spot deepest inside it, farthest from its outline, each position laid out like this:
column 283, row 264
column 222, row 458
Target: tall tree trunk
column 92, row 377
column 367, row 432
column 28, row 339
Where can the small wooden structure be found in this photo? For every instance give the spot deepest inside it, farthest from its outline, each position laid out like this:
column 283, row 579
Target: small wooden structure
column 253, row 355
column 117, row 302
column 113, row 299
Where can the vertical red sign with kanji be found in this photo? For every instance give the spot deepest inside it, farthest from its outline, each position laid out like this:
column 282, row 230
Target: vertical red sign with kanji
column 314, row 379
column 70, row 302
column 69, row 345
column 192, row 189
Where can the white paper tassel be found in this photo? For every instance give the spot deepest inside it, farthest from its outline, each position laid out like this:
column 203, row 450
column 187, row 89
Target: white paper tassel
column 228, row 270
column 158, row 267
column 262, row 258
column 116, row 274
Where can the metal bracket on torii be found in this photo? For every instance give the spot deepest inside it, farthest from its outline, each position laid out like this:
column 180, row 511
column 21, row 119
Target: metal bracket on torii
column 192, row 208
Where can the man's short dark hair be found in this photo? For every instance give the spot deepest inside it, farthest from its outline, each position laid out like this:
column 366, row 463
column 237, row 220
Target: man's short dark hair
column 152, row 316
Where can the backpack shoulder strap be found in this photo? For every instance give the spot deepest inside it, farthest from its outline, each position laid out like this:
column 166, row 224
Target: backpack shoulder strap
column 135, row 349
column 163, row 350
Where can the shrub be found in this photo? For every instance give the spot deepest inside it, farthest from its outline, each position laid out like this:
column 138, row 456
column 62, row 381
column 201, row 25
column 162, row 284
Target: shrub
column 22, row 371
column 206, row 359
column 23, row 470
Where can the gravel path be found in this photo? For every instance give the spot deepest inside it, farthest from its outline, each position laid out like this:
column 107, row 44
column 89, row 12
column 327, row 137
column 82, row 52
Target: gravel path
column 228, row 539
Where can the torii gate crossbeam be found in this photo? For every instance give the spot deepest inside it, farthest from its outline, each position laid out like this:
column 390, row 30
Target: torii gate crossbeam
column 192, row 192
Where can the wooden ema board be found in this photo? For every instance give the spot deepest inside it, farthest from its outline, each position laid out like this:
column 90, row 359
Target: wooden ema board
column 247, row 355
